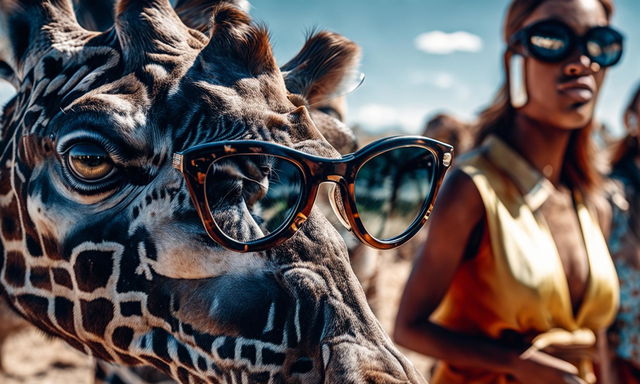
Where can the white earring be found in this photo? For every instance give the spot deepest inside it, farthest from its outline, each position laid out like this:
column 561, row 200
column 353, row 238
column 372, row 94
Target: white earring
column 517, row 82
column 633, row 123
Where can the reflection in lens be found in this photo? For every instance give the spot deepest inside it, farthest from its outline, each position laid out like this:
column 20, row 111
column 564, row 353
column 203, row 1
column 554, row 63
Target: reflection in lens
column 392, row 188
column 547, row 42
column 604, row 47
column 594, row 49
column 550, row 42
column 252, row 196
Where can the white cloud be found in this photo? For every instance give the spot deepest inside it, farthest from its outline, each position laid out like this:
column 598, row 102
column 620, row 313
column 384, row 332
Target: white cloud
column 443, row 81
column 442, row 43
column 377, row 118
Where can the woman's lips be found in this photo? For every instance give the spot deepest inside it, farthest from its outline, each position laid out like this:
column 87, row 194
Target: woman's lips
column 580, row 90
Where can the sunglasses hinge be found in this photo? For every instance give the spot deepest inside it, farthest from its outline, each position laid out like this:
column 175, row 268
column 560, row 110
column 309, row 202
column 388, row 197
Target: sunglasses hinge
column 446, row 159
column 177, row 161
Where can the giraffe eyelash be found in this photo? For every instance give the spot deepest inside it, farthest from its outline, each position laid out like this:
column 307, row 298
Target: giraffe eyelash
column 114, row 151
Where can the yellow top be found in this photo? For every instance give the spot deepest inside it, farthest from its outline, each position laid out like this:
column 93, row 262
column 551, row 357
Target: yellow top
column 515, row 284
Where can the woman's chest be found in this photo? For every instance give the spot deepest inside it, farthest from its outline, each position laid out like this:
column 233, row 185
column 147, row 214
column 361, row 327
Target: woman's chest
column 561, row 218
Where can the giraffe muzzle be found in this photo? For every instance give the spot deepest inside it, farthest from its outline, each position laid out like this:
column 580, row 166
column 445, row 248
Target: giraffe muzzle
column 352, row 363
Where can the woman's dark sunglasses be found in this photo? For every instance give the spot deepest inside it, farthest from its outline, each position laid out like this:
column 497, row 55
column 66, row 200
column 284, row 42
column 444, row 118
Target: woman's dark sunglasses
column 553, row 41
column 254, row 195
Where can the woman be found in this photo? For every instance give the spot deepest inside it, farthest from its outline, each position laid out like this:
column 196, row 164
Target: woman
column 624, row 244
column 521, row 289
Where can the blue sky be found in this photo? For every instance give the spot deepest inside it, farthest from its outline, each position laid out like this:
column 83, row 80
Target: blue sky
column 404, row 85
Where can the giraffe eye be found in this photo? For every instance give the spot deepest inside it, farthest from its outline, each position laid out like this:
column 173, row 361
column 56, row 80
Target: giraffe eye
column 89, row 162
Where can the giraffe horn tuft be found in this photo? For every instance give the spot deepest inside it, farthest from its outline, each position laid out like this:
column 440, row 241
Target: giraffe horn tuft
column 197, row 13
column 152, row 26
column 236, row 41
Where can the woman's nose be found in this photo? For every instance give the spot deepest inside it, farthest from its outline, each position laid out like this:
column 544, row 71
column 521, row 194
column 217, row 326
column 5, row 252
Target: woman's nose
column 582, row 66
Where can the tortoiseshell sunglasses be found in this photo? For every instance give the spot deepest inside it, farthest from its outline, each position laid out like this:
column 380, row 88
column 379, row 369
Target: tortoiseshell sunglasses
column 254, row 195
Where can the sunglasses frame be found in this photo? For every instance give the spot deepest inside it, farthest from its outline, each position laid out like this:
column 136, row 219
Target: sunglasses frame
column 194, row 165
column 523, row 37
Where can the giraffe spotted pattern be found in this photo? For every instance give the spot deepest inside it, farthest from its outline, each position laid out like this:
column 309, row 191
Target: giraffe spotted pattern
column 100, row 243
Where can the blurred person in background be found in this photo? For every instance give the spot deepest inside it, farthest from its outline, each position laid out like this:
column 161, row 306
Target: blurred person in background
column 451, row 130
column 515, row 283
column 624, row 244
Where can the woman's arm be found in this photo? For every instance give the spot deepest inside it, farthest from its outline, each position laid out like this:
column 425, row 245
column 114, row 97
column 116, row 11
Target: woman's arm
column 606, row 371
column 457, row 212
column 602, row 207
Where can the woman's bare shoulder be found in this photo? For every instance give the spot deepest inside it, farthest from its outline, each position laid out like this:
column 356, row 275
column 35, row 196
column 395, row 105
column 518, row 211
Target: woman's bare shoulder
column 459, row 198
column 457, row 212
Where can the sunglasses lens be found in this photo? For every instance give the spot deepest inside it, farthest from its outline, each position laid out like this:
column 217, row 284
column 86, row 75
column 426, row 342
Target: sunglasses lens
column 253, row 196
column 392, row 190
column 549, row 41
column 604, row 46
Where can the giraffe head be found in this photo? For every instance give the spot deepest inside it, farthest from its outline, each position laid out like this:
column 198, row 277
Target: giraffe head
column 100, row 242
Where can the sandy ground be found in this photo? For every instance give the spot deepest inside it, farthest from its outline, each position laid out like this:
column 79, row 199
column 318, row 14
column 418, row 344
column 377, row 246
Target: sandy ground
column 31, row 358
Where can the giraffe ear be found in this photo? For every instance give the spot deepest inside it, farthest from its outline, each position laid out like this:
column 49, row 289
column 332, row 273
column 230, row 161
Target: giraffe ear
column 29, row 27
column 197, row 14
column 324, row 68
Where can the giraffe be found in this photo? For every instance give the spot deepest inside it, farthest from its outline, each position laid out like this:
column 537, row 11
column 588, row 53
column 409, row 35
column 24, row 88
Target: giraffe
column 328, row 115
column 119, row 266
